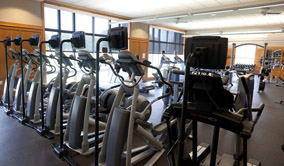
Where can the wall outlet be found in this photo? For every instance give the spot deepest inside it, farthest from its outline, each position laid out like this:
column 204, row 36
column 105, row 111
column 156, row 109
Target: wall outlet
column 1, row 82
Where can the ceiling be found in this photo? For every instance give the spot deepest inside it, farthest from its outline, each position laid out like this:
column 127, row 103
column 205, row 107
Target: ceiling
column 149, row 10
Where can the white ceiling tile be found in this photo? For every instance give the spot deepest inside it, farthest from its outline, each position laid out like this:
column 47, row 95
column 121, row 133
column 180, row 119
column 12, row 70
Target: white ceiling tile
column 208, row 3
column 146, row 8
column 228, row 2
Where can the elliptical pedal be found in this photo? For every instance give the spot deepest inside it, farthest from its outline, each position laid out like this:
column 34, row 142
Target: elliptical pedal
column 202, row 151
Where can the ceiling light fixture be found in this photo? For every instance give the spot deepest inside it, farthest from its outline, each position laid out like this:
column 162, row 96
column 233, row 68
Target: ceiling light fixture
column 214, row 12
column 221, row 33
column 152, row 18
column 173, row 16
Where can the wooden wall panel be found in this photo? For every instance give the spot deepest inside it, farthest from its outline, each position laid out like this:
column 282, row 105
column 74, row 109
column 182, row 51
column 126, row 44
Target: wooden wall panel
column 11, row 29
column 139, row 46
column 229, row 56
column 257, row 62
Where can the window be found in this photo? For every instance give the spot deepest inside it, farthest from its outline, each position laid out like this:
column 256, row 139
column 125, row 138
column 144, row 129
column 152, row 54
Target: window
column 50, row 17
column 66, row 46
column 101, row 26
column 161, row 39
column 66, row 20
column 245, row 54
column 83, row 23
column 163, row 35
column 103, row 44
column 48, row 36
column 65, row 23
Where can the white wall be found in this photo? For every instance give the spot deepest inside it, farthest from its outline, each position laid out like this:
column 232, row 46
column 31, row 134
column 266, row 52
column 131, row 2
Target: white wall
column 21, row 11
column 139, row 30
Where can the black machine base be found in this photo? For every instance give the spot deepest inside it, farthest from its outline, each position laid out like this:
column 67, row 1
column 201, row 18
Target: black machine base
column 5, row 109
column 44, row 132
column 59, row 151
column 65, row 154
column 22, row 120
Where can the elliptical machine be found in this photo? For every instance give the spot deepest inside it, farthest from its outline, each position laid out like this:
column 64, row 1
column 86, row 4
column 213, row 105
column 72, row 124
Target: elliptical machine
column 12, row 78
column 126, row 123
column 52, row 123
column 164, row 60
column 205, row 100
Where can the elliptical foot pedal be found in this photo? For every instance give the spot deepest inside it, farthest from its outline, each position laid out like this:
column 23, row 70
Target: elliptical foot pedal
column 226, row 160
column 252, row 162
column 206, row 161
column 202, row 151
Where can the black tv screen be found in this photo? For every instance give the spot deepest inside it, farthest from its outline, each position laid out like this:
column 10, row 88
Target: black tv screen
column 213, row 51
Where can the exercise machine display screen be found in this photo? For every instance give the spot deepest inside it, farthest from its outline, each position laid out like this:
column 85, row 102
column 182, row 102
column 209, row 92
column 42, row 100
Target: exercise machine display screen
column 18, row 40
column 34, row 40
column 78, row 40
column 54, row 41
column 8, row 41
column 212, row 51
column 119, row 38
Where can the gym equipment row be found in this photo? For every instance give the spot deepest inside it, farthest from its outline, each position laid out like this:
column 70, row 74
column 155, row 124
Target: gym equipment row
column 122, row 134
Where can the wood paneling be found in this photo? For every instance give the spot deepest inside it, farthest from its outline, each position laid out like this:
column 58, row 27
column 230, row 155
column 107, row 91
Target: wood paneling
column 12, row 29
column 140, row 47
column 229, row 56
column 257, row 59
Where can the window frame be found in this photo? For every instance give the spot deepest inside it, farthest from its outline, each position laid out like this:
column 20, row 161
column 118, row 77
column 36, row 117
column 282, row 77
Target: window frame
column 93, row 34
column 176, row 43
